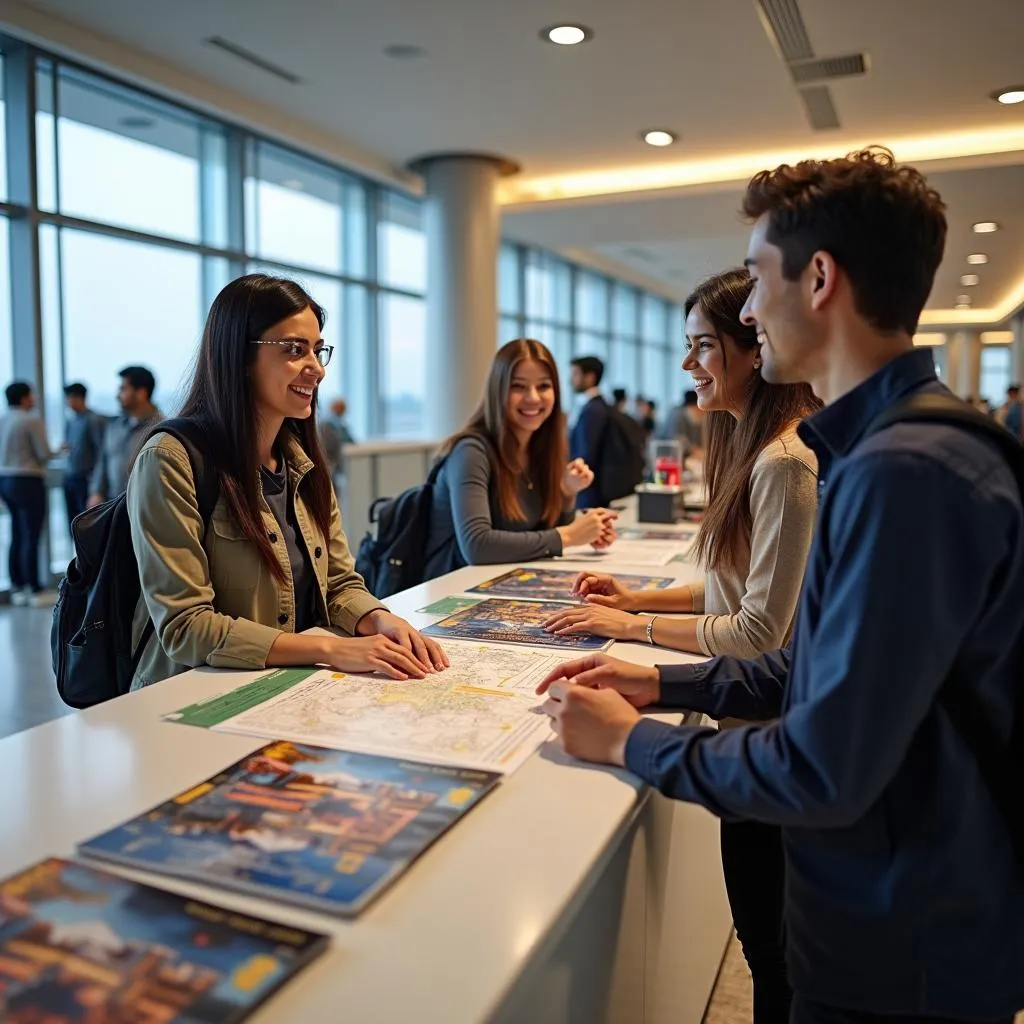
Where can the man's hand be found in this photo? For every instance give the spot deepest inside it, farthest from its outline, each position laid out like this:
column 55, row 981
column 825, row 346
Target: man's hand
column 426, row 651
column 593, row 725
column 640, row 685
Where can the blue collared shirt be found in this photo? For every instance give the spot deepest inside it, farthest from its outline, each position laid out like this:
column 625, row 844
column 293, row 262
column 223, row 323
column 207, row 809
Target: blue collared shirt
column 902, row 894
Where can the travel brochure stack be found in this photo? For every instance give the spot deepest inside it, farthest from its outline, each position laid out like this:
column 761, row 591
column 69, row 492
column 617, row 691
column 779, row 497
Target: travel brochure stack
column 357, row 776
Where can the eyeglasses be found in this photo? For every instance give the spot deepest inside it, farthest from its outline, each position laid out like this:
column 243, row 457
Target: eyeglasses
column 300, row 349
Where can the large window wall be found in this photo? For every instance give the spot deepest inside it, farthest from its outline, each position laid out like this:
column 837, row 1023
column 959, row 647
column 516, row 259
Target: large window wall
column 122, row 215
column 577, row 312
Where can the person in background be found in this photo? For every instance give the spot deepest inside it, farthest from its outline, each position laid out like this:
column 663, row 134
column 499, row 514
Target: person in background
column 904, row 888
column 124, row 434
column 686, row 424
column 588, row 432
column 24, row 454
column 334, row 435
column 85, row 431
column 620, row 399
column 506, row 491
column 753, row 543
column 274, row 561
column 1009, row 413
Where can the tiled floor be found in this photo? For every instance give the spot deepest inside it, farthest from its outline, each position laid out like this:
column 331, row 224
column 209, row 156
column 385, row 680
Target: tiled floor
column 28, row 693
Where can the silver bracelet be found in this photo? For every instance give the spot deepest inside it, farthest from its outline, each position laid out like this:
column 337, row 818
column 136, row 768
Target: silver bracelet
column 650, row 630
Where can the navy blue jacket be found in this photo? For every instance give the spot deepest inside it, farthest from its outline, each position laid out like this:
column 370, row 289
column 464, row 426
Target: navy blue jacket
column 585, row 442
column 902, row 894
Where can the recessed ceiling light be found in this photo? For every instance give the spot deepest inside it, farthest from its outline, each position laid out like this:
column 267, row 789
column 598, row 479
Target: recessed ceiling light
column 659, row 137
column 977, row 259
column 964, row 298
column 1009, row 96
column 567, row 35
column 962, row 305
column 293, row 183
column 969, row 280
column 984, row 227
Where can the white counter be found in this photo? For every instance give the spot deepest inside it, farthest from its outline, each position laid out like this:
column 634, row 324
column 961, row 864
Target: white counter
column 570, row 894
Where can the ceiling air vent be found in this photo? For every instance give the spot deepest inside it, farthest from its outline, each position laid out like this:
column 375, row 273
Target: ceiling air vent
column 785, row 25
column 241, row 53
column 824, row 68
column 821, row 111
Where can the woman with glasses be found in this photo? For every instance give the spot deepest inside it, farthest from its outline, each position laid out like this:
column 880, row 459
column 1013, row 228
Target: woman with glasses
column 273, row 561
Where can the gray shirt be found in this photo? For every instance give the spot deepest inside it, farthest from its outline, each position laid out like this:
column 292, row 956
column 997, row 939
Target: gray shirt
column 121, row 443
column 275, row 491
column 465, row 514
column 24, row 448
column 85, row 439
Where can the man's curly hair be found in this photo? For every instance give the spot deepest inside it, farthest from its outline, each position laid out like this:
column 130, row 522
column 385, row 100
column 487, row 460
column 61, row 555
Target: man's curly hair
column 881, row 223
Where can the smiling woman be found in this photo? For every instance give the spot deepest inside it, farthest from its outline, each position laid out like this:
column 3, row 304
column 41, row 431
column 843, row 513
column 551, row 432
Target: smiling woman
column 273, row 560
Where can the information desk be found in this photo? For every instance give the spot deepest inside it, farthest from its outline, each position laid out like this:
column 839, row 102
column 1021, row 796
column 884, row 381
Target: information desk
column 572, row 894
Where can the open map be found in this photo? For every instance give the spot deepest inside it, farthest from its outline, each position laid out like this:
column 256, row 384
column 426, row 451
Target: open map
column 480, row 713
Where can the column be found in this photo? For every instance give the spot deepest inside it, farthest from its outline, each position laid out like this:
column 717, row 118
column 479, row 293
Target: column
column 963, row 356
column 463, row 234
column 1016, row 351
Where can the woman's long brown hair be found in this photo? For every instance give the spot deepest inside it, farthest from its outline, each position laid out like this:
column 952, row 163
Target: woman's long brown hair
column 734, row 445
column 547, row 451
column 222, row 399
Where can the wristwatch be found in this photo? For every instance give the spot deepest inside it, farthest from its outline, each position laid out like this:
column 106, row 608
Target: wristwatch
column 650, row 630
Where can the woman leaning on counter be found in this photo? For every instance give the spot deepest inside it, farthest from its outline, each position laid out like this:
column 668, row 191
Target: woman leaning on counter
column 274, row 560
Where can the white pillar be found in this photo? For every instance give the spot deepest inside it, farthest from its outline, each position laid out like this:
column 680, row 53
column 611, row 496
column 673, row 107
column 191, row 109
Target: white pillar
column 963, row 361
column 1017, row 350
column 463, row 234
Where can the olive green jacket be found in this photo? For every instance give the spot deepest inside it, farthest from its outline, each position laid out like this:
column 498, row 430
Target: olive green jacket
column 212, row 600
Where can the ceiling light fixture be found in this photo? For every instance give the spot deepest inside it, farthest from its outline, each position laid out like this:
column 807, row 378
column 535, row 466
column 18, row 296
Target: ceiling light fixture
column 984, row 227
column 567, row 35
column 997, row 337
column 962, row 305
column 659, row 137
column 1009, row 96
column 964, row 298
column 969, row 280
column 977, row 259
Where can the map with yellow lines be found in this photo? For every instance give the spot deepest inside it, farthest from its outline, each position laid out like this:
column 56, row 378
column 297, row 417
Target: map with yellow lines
column 480, row 713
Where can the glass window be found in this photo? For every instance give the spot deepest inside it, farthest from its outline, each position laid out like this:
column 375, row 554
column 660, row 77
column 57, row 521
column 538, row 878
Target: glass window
column 658, row 378
column 588, row 343
column 624, row 310
column 401, row 244
column 654, row 325
column 352, row 378
column 559, row 341
column 508, row 279
column 3, row 134
column 591, row 301
column 548, row 287
column 154, row 320
column 6, row 357
column 995, row 373
column 120, row 157
column 301, row 212
column 403, row 364
column 622, row 369
column 509, row 328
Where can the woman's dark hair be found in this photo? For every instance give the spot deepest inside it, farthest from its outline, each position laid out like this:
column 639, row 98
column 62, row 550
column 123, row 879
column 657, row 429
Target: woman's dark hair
column 548, row 448
column 734, row 445
column 222, row 398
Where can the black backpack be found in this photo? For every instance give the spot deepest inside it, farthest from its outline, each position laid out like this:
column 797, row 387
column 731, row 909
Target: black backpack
column 621, row 465
column 397, row 557
column 91, row 633
column 1001, row 763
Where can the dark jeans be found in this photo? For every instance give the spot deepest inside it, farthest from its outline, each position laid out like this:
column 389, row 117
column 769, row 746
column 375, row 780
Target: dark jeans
column 806, row 1012
column 25, row 497
column 76, row 494
column 754, row 867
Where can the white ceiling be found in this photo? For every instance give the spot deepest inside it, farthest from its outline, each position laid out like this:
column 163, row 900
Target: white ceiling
column 487, row 83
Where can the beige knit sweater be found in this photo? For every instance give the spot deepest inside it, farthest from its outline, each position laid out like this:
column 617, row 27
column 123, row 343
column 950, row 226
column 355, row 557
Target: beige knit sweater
column 750, row 609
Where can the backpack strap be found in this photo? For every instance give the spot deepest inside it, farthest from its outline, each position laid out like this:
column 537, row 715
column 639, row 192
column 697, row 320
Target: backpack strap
column 1001, row 764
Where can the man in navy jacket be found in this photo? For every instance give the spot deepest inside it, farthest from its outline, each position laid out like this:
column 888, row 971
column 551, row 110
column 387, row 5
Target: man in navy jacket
column 588, row 432
column 903, row 896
